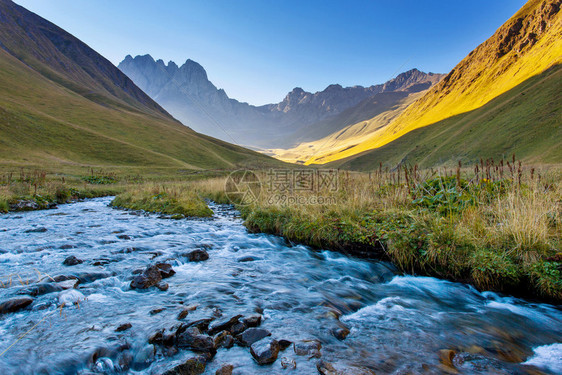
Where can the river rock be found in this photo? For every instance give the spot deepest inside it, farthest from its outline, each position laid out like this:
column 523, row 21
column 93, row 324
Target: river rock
column 165, row 270
column 288, row 363
column 201, row 324
column 123, row 327
column 224, row 340
column 72, row 261
column 68, row 284
column 340, row 332
column 14, row 305
column 308, row 348
column 223, row 324
column 252, row 320
column 24, row 205
column 284, row 344
column 225, row 370
column 90, row 277
column 193, row 339
column 163, row 286
column 326, row 368
column 197, row 255
column 104, row 366
column 191, row 366
column 40, row 289
column 265, row 351
column 252, row 335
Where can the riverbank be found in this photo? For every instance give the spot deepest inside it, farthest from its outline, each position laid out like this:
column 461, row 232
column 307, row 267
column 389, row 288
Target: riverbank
column 497, row 227
column 497, row 230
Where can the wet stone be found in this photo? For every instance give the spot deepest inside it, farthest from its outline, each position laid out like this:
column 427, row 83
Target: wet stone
column 191, row 366
column 340, row 332
column 72, row 261
column 265, row 351
column 36, row 230
column 225, row 370
column 252, row 335
column 288, row 363
column 326, row 368
column 193, row 339
column 123, row 327
column 308, row 348
column 223, row 324
column 197, row 255
column 224, row 340
column 41, row 289
column 252, row 320
column 14, row 305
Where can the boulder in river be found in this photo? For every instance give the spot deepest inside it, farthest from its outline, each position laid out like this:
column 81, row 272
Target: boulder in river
column 225, row 370
column 288, row 363
column 193, row 339
column 197, row 255
column 326, row 368
column 265, row 351
column 123, row 327
column 252, row 320
column 340, row 332
column 191, row 366
column 308, row 348
column 72, row 261
column 15, row 304
column 224, row 340
column 40, row 289
column 152, row 276
column 223, row 324
column 252, row 335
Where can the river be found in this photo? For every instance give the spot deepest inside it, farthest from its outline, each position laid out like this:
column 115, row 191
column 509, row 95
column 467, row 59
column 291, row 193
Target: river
column 365, row 316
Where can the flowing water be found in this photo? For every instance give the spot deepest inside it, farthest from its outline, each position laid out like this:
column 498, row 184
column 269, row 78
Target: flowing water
column 398, row 324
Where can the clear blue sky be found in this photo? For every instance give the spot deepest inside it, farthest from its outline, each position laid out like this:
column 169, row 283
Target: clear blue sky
column 258, row 50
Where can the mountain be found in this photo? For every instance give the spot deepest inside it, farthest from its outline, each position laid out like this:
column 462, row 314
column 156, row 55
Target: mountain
column 524, row 47
column 61, row 103
column 190, row 96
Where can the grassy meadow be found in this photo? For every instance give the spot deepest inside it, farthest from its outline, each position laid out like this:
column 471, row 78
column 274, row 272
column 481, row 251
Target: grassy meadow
column 497, row 226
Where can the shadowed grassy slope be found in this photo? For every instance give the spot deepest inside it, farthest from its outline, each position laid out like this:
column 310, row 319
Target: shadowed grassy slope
column 526, row 45
column 44, row 123
column 525, row 120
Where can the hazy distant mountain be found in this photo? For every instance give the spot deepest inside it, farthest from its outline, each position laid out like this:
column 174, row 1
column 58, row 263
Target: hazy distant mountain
column 187, row 93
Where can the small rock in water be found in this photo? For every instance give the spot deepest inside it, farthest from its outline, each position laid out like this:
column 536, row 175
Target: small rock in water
column 192, row 366
column 340, row 332
column 284, row 344
column 326, row 368
column 197, row 255
column 72, row 261
column 183, row 314
column 308, row 348
column 124, row 237
column 40, row 289
column 67, row 247
column 252, row 335
column 225, row 370
column 123, row 327
column 162, row 286
column 247, row 259
column 238, row 328
column 14, row 305
column 152, row 276
column 252, row 320
column 155, row 311
column 224, row 340
column 223, row 324
column 265, row 351
column 70, row 296
column 193, row 339
column 288, row 363
column 68, row 284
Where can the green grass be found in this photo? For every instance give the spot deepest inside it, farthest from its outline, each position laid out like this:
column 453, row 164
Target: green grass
column 178, row 201
column 525, row 121
column 492, row 232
